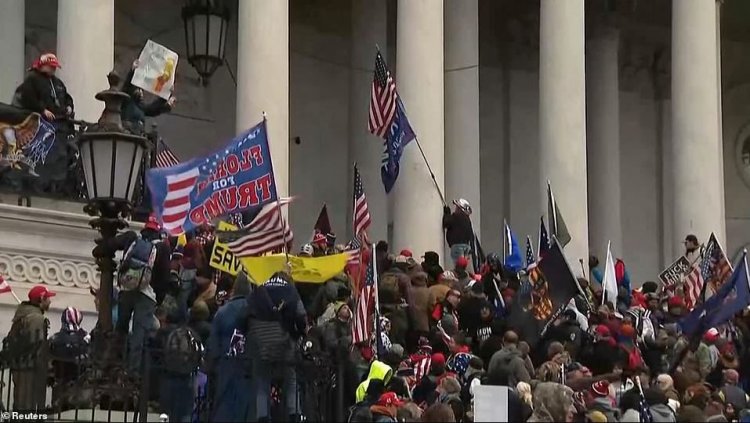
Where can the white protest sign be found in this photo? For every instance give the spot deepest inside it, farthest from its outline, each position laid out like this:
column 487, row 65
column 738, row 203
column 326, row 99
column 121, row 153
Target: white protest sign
column 156, row 70
column 490, row 403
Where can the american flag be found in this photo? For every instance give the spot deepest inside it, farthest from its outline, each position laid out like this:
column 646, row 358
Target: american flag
column 267, row 231
column 382, row 99
column 714, row 268
column 164, row 156
column 177, row 200
column 362, row 324
column 361, row 213
column 353, row 250
column 543, row 246
column 4, row 286
column 530, row 257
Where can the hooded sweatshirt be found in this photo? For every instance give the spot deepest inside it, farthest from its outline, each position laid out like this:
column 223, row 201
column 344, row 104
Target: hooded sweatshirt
column 379, row 371
column 507, row 367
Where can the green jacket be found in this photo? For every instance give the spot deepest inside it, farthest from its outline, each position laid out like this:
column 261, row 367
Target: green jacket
column 29, row 322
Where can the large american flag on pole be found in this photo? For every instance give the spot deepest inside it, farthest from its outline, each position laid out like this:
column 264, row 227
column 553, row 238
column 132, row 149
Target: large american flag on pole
column 367, row 302
column 382, row 99
column 713, row 271
column 164, row 155
column 267, row 231
column 361, row 213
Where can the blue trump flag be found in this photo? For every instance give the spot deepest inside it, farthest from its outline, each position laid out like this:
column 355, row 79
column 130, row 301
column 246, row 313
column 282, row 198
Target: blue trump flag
column 513, row 259
column 399, row 135
column 730, row 299
column 237, row 178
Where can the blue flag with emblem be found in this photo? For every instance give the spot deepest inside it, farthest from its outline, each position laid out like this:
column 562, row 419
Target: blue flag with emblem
column 730, row 299
column 513, row 259
column 397, row 138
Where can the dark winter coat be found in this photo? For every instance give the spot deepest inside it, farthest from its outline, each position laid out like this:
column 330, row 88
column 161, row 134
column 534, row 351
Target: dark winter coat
column 40, row 92
column 507, row 367
column 135, row 110
column 457, row 227
column 28, row 336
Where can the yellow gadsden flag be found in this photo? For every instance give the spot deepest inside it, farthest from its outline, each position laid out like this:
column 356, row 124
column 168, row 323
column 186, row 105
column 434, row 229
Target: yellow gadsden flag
column 304, row 269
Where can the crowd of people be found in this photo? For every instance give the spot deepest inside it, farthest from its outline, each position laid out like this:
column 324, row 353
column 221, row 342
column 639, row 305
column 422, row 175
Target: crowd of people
column 230, row 348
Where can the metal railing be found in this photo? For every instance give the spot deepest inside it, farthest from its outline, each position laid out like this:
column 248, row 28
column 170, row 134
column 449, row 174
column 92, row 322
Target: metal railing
column 35, row 378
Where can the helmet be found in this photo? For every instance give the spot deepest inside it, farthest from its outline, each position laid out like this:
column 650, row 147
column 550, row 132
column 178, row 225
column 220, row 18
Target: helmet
column 463, row 205
column 493, row 260
column 307, row 249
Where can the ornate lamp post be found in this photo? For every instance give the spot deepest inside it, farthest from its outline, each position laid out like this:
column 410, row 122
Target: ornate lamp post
column 206, row 23
column 111, row 158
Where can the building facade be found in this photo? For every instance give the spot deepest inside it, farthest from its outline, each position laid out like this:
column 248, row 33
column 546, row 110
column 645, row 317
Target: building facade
column 635, row 111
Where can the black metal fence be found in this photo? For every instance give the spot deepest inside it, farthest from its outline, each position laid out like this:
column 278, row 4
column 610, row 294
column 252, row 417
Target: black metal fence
column 92, row 384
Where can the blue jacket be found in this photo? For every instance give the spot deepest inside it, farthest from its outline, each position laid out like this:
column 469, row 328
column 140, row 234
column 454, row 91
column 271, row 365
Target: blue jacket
column 230, row 316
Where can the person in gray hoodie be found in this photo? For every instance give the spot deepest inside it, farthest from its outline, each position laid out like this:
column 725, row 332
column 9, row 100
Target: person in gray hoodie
column 507, row 366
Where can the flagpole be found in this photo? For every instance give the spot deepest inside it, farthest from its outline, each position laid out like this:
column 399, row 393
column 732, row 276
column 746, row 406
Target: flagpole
column 278, row 200
column 378, row 338
column 505, row 240
column 424, row 157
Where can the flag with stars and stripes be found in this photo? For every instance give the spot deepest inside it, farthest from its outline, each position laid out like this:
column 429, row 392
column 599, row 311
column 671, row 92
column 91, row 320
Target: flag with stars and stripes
column 164, row 155
column 718, row 269
column 382, row 99
column 530, row 257
column 353, row 250
column 361, row 213
column 268, row 231
column 238, row 178
column 366, row 311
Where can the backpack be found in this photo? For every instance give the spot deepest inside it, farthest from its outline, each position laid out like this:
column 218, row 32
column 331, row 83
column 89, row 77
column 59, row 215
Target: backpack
column 137, row 265
column 182, row 352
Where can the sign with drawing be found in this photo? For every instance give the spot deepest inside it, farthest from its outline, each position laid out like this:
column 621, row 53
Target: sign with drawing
column 156, row 70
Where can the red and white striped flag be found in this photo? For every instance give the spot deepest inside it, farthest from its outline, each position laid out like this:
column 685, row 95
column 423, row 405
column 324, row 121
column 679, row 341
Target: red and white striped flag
column 4, row 286
column 361, row 219
column 177, row 201
column 267, row 232
column 382, row 99
column 363, row 322
column 164, row 155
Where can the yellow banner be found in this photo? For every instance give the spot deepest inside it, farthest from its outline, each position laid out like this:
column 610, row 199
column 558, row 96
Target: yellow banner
column 304, row 269
column 222, row 257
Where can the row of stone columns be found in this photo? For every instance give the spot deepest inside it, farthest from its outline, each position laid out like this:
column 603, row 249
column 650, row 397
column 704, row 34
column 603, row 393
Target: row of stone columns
column 438, row 80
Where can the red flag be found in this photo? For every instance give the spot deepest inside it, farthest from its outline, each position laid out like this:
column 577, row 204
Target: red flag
column 4, row 286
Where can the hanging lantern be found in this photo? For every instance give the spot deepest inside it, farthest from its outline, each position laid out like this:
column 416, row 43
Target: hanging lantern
column 206, row 23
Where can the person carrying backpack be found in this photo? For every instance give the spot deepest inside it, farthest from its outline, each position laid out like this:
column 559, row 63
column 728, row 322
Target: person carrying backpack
column 143, row 279
column 180, row 358
column 276, row 320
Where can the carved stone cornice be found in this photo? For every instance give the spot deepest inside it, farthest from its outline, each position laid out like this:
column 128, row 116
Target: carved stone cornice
column 49, row 271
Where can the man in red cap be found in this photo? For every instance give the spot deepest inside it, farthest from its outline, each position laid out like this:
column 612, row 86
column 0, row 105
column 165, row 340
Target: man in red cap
column 29, row 332
column 43, row 92
column 386, row 408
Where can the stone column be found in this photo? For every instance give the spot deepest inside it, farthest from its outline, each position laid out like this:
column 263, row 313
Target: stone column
column 369, row 19
column 603, row 141
column 12, row 34
column 462, row 104
column 86, row 50
column 263, row 77
column 417, row 209
column 562, row 116
column 696, row 149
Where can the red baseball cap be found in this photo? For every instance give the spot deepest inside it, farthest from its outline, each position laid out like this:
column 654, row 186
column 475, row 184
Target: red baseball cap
column 389, row 399
column 40, row 292
column 152, row 223
column 462, row 262
column 406, row 253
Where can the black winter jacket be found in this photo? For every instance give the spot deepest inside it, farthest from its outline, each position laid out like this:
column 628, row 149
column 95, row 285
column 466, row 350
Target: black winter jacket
column 457, row 227
column 39, row 92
